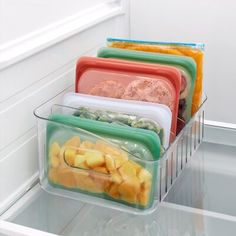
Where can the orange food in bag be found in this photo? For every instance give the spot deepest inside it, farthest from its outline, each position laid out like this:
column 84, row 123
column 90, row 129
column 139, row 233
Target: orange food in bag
column 175, row 49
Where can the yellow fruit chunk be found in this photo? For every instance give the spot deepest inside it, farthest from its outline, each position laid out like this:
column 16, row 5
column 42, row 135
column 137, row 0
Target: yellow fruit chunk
column 54, row 149
column 124, row 155
column 80, row 174
column 80, row 184
column 119, row 161
column 100, row 179
column 110, row 163
column 66, row 178
column 113, row 191
column 70, row 155
column 100, row 175
column 137, row 166
column 55, row 162
column 116, row 178
column 127, row 170
column 129, row 189
column 94, row 158
column 73, row 142
column 112, row 151
column 144, row 176
column 52, row 175
column 100, row 145
column 107, row 186
column 101, row 169
column 61, row 156
column 143, row 197
column 81, row 151
column 87, row 145
column 84, row 166
column 79, row 177
column 147, row 185
column 91, row 186
column 80, row 161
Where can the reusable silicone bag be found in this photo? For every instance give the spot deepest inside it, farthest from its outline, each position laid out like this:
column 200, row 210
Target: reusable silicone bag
column 186, row 49
column 130, row 81
column 100, row 160
column 186, row 65
column 151, row 116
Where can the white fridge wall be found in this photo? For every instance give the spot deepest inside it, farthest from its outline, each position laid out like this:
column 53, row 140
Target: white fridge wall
column 208, row 21
column 15, row 15
column 34, row 79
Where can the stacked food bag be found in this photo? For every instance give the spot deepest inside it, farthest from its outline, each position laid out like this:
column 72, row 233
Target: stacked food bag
column 105, row 139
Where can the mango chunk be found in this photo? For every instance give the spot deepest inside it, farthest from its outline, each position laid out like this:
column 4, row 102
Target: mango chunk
column 137, row 166
column 81, row 174
column 91, row 186
column 101, row 169
column 70, row 155
column 124, row 155
column 87, row 144
column 100, row 179
column 100, row 145
column 127, row 170
column 61, row 155
column 110, row 163
column 54, row 149
column 111, row 151
column 129, row 189
column 147, row 185
column 79, row 177
column 73, row 142
column 144, row 176
column 116, row 177
column 113, row 191
column 66, row 178
column 79, row 159
column 81, row 183
column 94, row 158
column 81, row 151
column 54, row 161
column 52, row 175
column 143, row 197
column 100, row 176
column 107, row 186
column 119, row 161
column 80, row 162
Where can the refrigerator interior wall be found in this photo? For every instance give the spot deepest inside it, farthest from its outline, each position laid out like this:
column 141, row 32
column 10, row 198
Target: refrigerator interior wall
column 32, row 81
column 15, row 15
column 206, row 21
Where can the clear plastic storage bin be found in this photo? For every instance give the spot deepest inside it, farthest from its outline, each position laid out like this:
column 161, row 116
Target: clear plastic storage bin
column 146, row 179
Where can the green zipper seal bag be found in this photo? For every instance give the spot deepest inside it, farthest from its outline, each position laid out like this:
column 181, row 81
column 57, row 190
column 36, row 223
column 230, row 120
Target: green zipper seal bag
column 186, row 65
column 61, row 127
